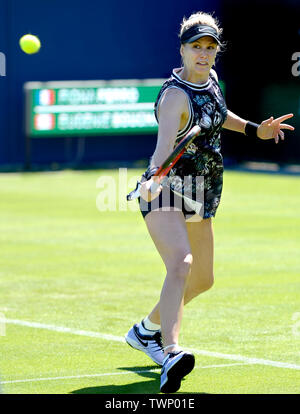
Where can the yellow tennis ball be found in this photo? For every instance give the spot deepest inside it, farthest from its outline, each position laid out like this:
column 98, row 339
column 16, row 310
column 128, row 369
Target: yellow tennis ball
column 30, row 44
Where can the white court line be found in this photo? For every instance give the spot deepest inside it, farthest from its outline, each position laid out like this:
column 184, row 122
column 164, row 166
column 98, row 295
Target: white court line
column 63, row 329
column 109, row 374
column 232, row 357
column 247, row 360
column 76, row 376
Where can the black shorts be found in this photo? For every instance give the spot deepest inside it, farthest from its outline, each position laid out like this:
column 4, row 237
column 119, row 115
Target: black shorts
column 170, row 201
column 167, row 201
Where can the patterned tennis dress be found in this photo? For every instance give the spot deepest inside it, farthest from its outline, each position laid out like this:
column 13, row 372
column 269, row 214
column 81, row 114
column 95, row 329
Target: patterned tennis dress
column 199, row 172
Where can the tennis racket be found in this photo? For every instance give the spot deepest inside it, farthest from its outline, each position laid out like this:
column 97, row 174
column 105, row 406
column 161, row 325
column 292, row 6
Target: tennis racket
column 166, row 166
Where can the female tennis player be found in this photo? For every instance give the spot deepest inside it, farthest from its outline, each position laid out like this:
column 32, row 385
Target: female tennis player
column 181, row 225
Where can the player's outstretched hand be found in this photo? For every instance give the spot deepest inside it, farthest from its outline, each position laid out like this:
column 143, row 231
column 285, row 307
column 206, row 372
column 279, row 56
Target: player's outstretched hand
column 146, row 192
column 272, row 128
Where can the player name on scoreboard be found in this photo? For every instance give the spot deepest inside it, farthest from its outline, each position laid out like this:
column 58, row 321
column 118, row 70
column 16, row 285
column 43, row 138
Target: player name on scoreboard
column 91, row 107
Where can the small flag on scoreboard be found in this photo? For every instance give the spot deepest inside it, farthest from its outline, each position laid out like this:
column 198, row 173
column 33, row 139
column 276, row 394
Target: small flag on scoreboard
column 46, row 97
column 44, row 122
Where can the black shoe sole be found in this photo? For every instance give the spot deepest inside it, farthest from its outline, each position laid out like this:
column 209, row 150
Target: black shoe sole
column 183, row 367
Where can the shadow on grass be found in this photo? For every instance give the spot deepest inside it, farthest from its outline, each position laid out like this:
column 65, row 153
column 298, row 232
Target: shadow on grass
column 139, row 387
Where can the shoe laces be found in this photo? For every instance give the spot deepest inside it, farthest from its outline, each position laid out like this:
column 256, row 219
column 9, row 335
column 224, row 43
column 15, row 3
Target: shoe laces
column 158, row 339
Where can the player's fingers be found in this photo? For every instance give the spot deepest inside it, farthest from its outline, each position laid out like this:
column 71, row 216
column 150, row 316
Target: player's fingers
column 281, row 133
column 284, row 117
column 276, row 139
column 145, row 190
column 286, row 126
column 154, row 187
column 267, row 121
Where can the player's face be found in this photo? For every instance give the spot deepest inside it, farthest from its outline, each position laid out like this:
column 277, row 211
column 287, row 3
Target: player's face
column 199, row 56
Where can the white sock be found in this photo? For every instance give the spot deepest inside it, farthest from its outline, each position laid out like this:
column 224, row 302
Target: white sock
column 176, row 348
column 147, row 326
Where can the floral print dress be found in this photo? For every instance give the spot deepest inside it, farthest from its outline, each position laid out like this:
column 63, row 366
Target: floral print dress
column 203, row 158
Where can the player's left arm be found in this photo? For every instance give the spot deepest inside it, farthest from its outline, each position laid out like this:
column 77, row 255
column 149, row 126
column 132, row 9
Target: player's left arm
column 268, row 129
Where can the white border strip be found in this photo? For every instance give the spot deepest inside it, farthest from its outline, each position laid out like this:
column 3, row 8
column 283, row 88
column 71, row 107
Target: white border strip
column 108, row 337
column 56, row 109
column 94, row 83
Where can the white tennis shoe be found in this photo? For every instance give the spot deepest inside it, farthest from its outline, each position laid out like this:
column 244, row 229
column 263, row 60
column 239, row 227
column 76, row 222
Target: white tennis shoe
column 150, row 344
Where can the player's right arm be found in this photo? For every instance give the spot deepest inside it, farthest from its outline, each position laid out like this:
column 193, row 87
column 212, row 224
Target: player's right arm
column 173, row 107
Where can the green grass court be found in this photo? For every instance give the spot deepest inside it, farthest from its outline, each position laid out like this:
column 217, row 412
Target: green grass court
column 65, row 264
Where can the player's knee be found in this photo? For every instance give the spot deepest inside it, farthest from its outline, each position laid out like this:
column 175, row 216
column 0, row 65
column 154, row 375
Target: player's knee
column 181, row 266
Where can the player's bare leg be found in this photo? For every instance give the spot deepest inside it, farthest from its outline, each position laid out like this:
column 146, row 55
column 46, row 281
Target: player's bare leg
column 169, row 234
column 201, row 278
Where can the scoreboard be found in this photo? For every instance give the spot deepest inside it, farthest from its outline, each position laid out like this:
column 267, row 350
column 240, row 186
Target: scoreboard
column 83, row 108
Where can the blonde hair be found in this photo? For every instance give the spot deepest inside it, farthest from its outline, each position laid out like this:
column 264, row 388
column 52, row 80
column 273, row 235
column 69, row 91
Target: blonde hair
column 200, row 18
